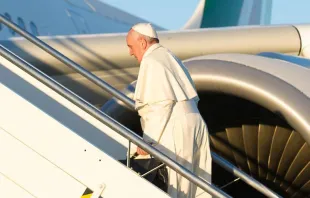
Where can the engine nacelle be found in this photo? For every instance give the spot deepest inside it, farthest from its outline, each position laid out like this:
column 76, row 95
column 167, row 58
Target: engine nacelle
column 258, row 114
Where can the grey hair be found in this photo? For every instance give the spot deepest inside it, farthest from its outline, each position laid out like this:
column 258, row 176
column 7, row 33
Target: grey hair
column 148, row 39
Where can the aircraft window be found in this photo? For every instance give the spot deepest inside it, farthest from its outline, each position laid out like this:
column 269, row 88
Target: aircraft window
column 8, row 17
column 21, row 23
column 34, row 29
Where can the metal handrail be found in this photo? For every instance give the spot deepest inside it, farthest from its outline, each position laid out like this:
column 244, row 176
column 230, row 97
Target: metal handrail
column 102, row 84
column 243, row 176
column 123, row 131
column 130, row 103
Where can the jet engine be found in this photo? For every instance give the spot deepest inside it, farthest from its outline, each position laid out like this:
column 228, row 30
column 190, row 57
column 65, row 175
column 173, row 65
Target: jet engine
column 257, row 110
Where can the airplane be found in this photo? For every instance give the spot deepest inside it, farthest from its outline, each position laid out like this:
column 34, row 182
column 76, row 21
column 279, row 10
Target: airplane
column 251, row 78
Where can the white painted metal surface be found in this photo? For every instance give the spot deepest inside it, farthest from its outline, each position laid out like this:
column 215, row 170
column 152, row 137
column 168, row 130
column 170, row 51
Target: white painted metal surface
column 43, row 144
column 34, row 172
column 291, row 73
column 87, row 127
column 304, row 32
column 66, row 17
column 195, row 21
column 9, row 188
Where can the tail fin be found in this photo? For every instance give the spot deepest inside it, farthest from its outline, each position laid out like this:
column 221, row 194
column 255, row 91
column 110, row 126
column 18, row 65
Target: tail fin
column 223, row 13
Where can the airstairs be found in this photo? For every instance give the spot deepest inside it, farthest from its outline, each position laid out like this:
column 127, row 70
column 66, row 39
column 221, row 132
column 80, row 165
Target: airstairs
column 53, row 143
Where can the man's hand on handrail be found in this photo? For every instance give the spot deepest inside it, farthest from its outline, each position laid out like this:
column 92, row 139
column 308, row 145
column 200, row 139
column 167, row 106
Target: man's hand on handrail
column 141, row 151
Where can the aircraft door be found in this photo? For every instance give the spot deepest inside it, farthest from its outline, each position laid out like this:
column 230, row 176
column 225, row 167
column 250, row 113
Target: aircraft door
column 79, row 22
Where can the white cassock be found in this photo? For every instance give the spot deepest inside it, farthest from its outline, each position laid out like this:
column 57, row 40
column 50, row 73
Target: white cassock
column 166, row 100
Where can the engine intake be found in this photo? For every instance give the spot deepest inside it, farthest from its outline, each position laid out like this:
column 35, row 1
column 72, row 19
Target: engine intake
column 258, row 119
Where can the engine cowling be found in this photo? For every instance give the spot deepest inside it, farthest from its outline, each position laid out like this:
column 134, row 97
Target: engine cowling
column 258, row 114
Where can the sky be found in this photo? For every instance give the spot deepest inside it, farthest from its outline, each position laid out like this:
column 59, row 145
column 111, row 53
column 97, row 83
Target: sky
column 173, row 14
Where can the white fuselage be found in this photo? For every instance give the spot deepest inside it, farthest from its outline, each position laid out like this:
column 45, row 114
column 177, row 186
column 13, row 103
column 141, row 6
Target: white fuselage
column 65, row 17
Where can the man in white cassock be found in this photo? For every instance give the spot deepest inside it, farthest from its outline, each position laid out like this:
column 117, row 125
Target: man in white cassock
column 166, row 99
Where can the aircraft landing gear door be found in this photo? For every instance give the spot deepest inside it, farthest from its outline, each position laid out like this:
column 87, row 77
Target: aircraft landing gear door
column 79, row 22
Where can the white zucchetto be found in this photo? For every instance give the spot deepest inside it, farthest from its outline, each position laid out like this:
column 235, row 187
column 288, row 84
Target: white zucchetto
column 145, row 29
